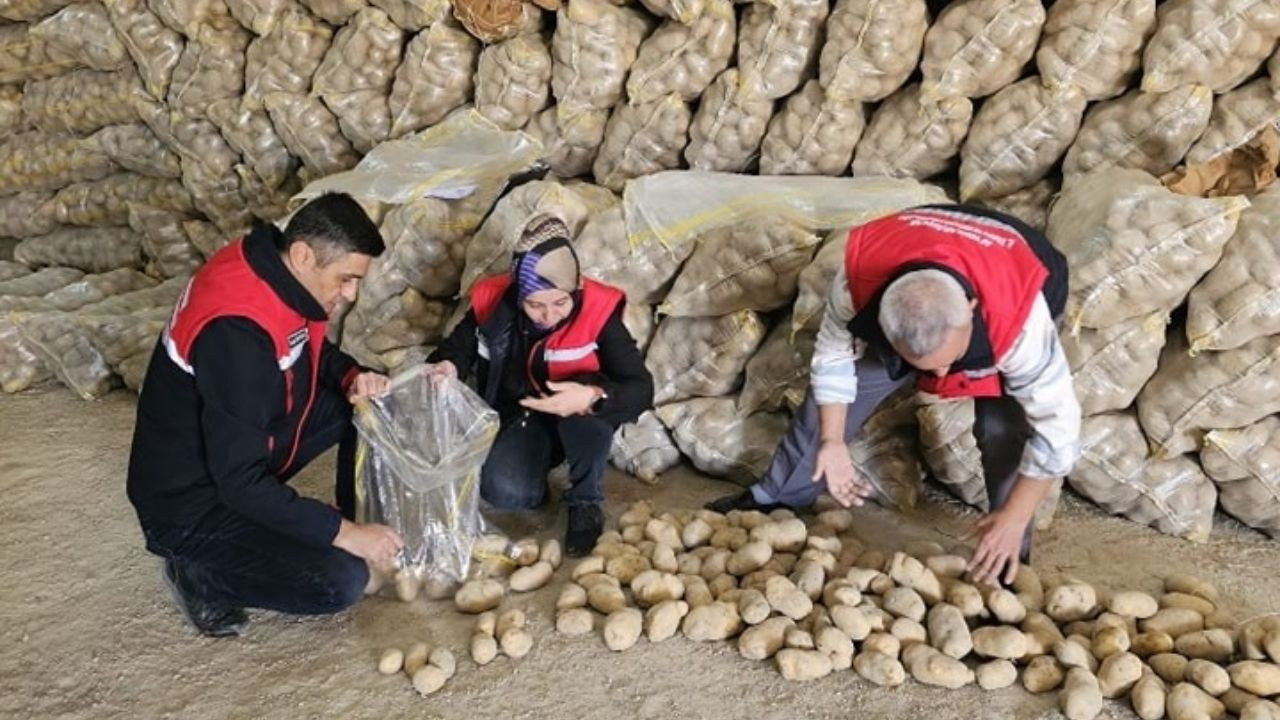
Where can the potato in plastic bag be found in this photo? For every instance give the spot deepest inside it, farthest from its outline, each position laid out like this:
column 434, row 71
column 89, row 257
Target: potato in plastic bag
column 778, row 46
column 23, row 57
column 258, row 16
column 752, row 265
column 1095, row 45
column 251, row 133
column 1243, row 464
column 728, row 127
column 977, row 47
column 720, row 442
column 415, row 15
column 951, row 451
column 311, row 133
column 513, row 82
column 641, row 140
column 284, row 60
column 1109, row 366
column 335, row 12
column 1114, row 471
column 872, row 47
column 35, row 161
column 886, row 453
column 64, row 347
column 644, row 449
column 26, row 10
column 188, row 16
column 1134, row 247
column 1218, row 43
column 404, row 320
column 1146, row 131
column 357, row 74
column 1238, row 116
column 83, row 31
column 593, row 47
column 813, row 135
column 106, row 201
column 26, row 214
column 1030, row 205
column 684, row 58
column 435, row 78
column 154, row 47
column 702, row 357
column 164, row 242
column 40, row 282
column 1236, row 302
column 1017, row 137
column 90, row 249
column 426, row 251
column 211, row 69
column 82, row 101
column 120, row 337
column 815, row 280
column 490, row 249
column 685, row 11
column 570, row 141
column 910, row 138
column 778, row 374
column 20, row 365
column 135, row 147
column 644, row 272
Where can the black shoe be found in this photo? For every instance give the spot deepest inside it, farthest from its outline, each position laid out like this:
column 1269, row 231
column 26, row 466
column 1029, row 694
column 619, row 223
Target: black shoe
column 208, row 619
column 742, row 501
column 586, row 522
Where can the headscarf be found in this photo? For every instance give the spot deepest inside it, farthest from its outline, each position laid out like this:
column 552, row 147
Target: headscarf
column 544, row 259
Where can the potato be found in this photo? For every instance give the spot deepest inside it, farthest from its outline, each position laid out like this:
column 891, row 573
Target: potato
column 1208, row 41
column 764, row 640
column 1256, row 677
column 516, row 643
column 627, row 567
column 662, row 621
column 682, row 58
column 391, row 662
column 1188, row 702
column 976, row 47
column 429, row 680
column 909, row 572
column 1148, row 698
column 1005, row 643
column 1041, row 632
column 1080, row 699
column 533, row 577
column 513, row 81
column 836, row 645
column 1208, row 676
column 1143, row 131
column 910, row 138
column 1191, row 585
column 416, row 658
column 1110, row 641
column 967, row 598
column 443, row 659
column 588, row 566
column 880, row 669
column 909, row 631
column 871, row 48
column 1133, row 603
column 1071, row 601
column 484, row 648
column 574, row 621
column 851, row 620
column 1176, row 622
column 1151, row 643
column 606, row 599
column 802, row 665
column 948, row 631
column 1214, row 645
column 622, row 629
column 696, row 533
column 1260, row 710
column 728, row 126
column 1005, row 607
column 510, row 620
column 1095, row 45
column 787, row 536
column 1043, row 674
column 785, row 598
column 905, row 602
column 716, row 621
column 841, row 592
column 931, row 667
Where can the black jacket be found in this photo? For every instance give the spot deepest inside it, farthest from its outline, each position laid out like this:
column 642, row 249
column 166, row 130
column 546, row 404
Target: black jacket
column 201, row 441
column 502, row 380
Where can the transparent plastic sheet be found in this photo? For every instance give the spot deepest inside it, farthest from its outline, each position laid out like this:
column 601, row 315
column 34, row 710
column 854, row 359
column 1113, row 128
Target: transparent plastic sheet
column 569, row 141
column 1145, row 131
column 719, row 441
column 106, row 202
column 165, row 243
column 1030, row 205
column 11, row 119
column 644, row 449
column 83, row 31
column 188, row 16
column 335, row 12
column 211, row 69
column 641, row 140
column 592, row 49
column 356, row 76
column 886, row 453
column 135, row 147
column 702, row 357
column 154, row 47
column 1238, row 116
column 1095, row 45
column 1017, row 137
column 311, row 133
column 1244, row 464
column 89, row 249
column 751, row 265
column 284, row 60
column 435, row 78
column 644, row 271
column 813, row 135
column 1134, row 247
column 777, row 376
column 1174, row 496
column 912, row 139
column 23, row 57
column 258, row 16
column 1110, row 366
column 10, row 270
column 814, row 282
column 1239, row 300
column 683, row 58
column 872, row 47
column 976, row 47
column 414, row 15
column 82, row 101
column 26, row 214
column 1218, row 43
column 728, row 127
column 26, row 10
column 418, row 471
column 513, row 82
column 951, row 451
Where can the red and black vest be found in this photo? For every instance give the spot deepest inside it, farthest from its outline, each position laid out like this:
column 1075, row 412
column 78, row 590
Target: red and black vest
column 226, row 286
column 991, row 258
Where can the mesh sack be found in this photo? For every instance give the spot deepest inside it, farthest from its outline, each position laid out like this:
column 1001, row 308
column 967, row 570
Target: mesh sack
column 89, row 249
column 258, row 16
column 435, row 78
column 133, row 370
column 644, row 272
column 872, row 47
column 1238, row 116
column 418, row 471
column 1218, row 43
column 26, row 214
column 1244, row 465
column 10, row 270
column 640, row 324
column 106, row 201
column 1173, row 496
column 23, row 57
column 250, row 133
column 728, row 127
column 886, row 454
column 977, row 47
column 778, row 46
column 815, row 281
column 1145, row 131
column 401, row 321
column 702, row 357
column 747, row 266
column 641, row 140
column 1095, row 45
column 20, row 366
column 11, row 119
column 284, row 60
column 1030, row 205
column 27, row 10
column 356, row 76
column 154, row 47
column 593, row 47
column 311, row 133
column 82, row 291
column 205, row 236
column 82, row 101
column 683, row 58
column 1134, row 247
column 211, row 69
column 40, row 282
column 83, row 31
column 164, row 242
column 813, row 135
column 217, row 194
column 415, row 15
column 686, row 11
column 1110, row 366
column 951, row 451
column 513, row 82
column 37, row 161
column 188, row 16
column 426, row 251
column 269, row 204
column 910, row 138
column 719, row 441
column 335, row 12
column 134, row 147
column 777, row 376
column 570, row 141
column 644, row 449
column 122, row 337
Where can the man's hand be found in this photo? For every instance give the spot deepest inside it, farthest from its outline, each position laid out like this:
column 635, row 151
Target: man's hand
column 367, row 385
column 376, row 544
column 567, row 398
column 440, row 372
column 834, row 465
column 999, row 549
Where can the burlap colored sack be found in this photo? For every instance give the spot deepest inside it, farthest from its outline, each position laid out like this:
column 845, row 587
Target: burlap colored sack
column 1017, row 137
column 570, row 141
column 211, row 69
column 188, row 16
column 402, row 321
column 311, row 133
column 415, row 15
column 1218, row 43
column 40, row 282
column 885, row 452
column 640, row 323
column 335, row 12
column 1238, row 116
column 10, row 270
column 644, row 449
column 644, row 272
column 218, row 195
column 1243, row 464
column 1095, row 45
column 513, row 82
column 1114, row 471
column 1110, row 366
column 83, row 291
column 83, row 31
column 910, row 138
column 729, row 125
column 435, row 77
column 35, row 161
column 813, row 135
column 1030, row 205
column 702, row 357
column 154, row 47
column 683, row 58
column 719, row 441
column 1236, row 301
column 133, row 370
column 426, row 249
column 26, row 214
column 814, row 282
column 686, row 12
column 23, row 57
column 356, row 76
column 205, row 236
column 872, row 47
column 778, row 46
column 1134, row 247
column 135, row 147
column 284, row 60
column 976, row 47
column 121, row 338
column 259, row 16
column 778, row 374
column 89, row 249
column 641, row 140
column 20, row 366
column 192, row 139
column 250, row 133
column 82, row 101
column 27, row 10
column 164, row 242
column 752, row 265
column 593, row 47
column 1191, row 395
column 106, row 202
column 269, row 204
column 1145, row 131
column 11, row 120
column 951, row 451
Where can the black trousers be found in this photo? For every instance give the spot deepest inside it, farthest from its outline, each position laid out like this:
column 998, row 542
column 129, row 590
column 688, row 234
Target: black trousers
column 514, row 476
column 1000, row 426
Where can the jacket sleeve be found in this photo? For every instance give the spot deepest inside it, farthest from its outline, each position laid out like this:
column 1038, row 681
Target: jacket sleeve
column 337, row 369
column 623, row 374
column 459, row 348
column 832, row 370
column 241, row 392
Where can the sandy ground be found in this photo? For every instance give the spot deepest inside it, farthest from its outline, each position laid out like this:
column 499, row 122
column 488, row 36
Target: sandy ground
column 87, row 629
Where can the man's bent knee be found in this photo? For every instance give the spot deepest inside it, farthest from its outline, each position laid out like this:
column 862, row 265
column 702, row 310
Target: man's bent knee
column 341, row 582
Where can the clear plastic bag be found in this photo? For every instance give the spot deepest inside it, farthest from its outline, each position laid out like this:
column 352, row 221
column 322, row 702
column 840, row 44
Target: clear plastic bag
column 284, row 60
column 1218, row 43
column 311, row 133
column 1030, row 205
column 641, row 140
column 83, row 31
column 513, row 82
column 27, row 214
column 164, row 241
column 82, row 101
column 644, row 449
column 1134, row 247
column 89, row 249
column 418, row 471
column 778, row 46
column 36, row 161
column 258, row 16
column 211, row 69
column 729, row 125
column 23, row 57
column 872, row 47
column 154, row 47
column 356, row 76
column 643, row 271
column 1173, row 496
column 912, row 139
column 683, row 58
column 977, row 47
column 719, row 441
column 1145, row 131
column 1095, row 45
column 251, row 133
column 813, row 135
column 778, row 374
column 1109, row 366
column 951, row 451
column 702, row 357
column 1243, row 464
column 434, row 79
column 135, row 147
column 592, row 49
column 570, row 141
column 1238, row 116
column 106, row 202
column 415, row 15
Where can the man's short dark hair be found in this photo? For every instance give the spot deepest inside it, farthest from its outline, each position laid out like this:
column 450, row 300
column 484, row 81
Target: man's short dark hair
column 333, row 225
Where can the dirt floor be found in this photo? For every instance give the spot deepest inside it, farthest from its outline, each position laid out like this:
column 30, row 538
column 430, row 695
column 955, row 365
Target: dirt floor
column 87, row 629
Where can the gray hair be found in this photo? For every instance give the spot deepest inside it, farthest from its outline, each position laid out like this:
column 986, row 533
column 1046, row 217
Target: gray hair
column 921, row 308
